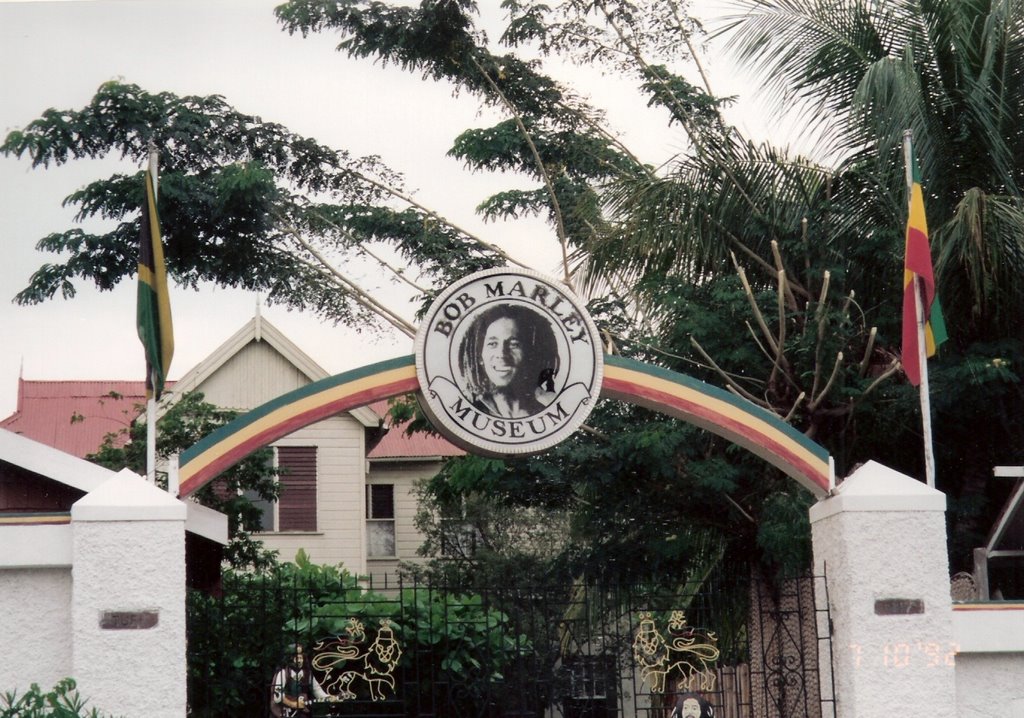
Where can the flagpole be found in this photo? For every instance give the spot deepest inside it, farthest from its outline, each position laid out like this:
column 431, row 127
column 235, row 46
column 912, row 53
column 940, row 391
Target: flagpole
column 922, row 349
column 151, row 399
column 926, row 406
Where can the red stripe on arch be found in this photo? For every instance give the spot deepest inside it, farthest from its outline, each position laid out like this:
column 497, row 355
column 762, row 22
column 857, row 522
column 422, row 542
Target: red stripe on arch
column 677, row 395
column 752, row 435
column 293, row 422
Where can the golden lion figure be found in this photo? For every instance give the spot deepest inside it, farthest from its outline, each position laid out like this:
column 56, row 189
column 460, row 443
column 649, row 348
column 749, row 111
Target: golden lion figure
column 345, row 662
column 682, row 654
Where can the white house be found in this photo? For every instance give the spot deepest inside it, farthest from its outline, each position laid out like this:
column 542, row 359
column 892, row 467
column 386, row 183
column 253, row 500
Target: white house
column 347, row 483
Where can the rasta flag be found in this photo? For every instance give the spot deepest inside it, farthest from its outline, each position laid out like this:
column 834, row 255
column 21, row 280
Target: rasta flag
column 918, row 263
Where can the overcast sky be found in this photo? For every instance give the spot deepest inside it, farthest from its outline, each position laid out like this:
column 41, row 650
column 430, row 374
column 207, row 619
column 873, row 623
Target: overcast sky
column 56, row 54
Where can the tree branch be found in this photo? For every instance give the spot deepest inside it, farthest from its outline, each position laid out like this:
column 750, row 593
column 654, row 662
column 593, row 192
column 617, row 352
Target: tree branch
column 730, row 383
column 757, row 311
column 443, row 220
column 866, row 361
column 559, row 222
column 358, row 293
column 828, row 385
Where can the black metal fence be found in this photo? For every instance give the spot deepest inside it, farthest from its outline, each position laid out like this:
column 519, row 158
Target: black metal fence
column 578, row 651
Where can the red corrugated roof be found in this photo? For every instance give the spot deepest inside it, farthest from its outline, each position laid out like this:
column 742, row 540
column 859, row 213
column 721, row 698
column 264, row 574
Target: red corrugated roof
column 45, row 411
column 396, row 444
column 74, row 416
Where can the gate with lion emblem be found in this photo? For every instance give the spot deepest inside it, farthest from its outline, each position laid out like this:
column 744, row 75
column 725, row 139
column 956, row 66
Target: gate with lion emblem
column 738, row 647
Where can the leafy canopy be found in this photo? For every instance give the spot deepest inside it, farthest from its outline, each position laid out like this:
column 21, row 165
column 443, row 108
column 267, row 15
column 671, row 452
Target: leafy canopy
column 774, row 275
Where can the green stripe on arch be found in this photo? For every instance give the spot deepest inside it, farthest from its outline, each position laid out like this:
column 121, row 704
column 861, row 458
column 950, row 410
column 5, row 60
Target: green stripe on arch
column 722, row 413
column 281, row 416
column 762, row 433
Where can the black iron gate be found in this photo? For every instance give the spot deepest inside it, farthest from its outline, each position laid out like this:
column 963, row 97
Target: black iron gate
column 746, row 648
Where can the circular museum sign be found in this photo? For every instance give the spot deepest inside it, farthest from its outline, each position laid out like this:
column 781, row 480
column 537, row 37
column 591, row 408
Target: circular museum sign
column 509, row 362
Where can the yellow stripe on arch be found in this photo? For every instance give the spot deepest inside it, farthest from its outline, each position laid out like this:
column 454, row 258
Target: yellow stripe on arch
column 708, row 407
column 290, row 412
column 677, row 395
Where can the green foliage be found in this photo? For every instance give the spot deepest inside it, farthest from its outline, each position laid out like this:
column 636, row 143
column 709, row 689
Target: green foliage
column 187, row 421
column 234, row 192
column 810, row 334
column 63, row 701
column 978, row 423
column 684, row 102
column 951, row 72
column 440, row 41
column 642, row 495
column 237, row 641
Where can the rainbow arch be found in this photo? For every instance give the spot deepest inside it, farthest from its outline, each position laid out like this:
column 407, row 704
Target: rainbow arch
column 678, row 395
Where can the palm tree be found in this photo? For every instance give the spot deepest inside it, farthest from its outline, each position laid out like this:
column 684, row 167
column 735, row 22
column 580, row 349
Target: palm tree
column 952, row 71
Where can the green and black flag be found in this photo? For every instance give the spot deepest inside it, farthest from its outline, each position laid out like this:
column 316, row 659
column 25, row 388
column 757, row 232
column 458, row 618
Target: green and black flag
column 154, row 305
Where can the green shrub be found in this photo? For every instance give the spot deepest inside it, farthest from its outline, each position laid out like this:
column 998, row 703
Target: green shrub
column 61, row 702
column 236, row 641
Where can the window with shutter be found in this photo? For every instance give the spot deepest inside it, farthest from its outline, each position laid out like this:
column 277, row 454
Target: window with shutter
column 296, row 505
column 380, row 521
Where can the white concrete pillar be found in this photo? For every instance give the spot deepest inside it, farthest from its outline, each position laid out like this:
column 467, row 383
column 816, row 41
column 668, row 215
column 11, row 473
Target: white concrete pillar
column 881, row 541
column 128, row 599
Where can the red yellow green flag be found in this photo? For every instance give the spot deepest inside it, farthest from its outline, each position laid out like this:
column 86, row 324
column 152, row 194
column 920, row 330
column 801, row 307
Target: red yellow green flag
column 918, row 263
column 153, row 313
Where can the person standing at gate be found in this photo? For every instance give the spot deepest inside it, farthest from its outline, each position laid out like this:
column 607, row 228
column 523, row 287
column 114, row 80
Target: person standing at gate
column 290, row 690
column 692, row 705
column 509, row 358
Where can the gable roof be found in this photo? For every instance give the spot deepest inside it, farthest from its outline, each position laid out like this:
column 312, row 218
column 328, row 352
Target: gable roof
column 45, row 408
column 74, row 416
column 259, row 329
column 51, row 463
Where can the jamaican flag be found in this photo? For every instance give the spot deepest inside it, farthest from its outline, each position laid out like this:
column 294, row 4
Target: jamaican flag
column 154, row 306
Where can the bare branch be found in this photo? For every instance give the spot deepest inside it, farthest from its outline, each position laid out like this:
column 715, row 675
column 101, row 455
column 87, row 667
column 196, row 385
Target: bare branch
column 358, row 293
column 757, row 341
column 866, row 361
column 753, row 256
column 753, row 305
column 894, row 366
column 730, row 383
column 361, row 247
column 807, row 249
column 781, row 267
column 780, row 357
column 796, row 405
column 848, row 302
column 760, row 402
column 828, row 385
column 820, row 317
column 408, row 199
column 739, row 508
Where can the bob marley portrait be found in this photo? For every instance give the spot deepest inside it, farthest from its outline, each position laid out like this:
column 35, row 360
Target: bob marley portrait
column 508, row 359
column 691, row 705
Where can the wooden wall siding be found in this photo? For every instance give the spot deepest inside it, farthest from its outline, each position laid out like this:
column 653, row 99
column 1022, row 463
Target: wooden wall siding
column 24, row 491
column 253, row 376
column 296, row 507
column 403, row 475
column 341, row 471
column 334, row 532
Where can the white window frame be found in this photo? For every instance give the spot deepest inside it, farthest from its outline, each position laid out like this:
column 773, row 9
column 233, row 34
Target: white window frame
column 372, row 520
